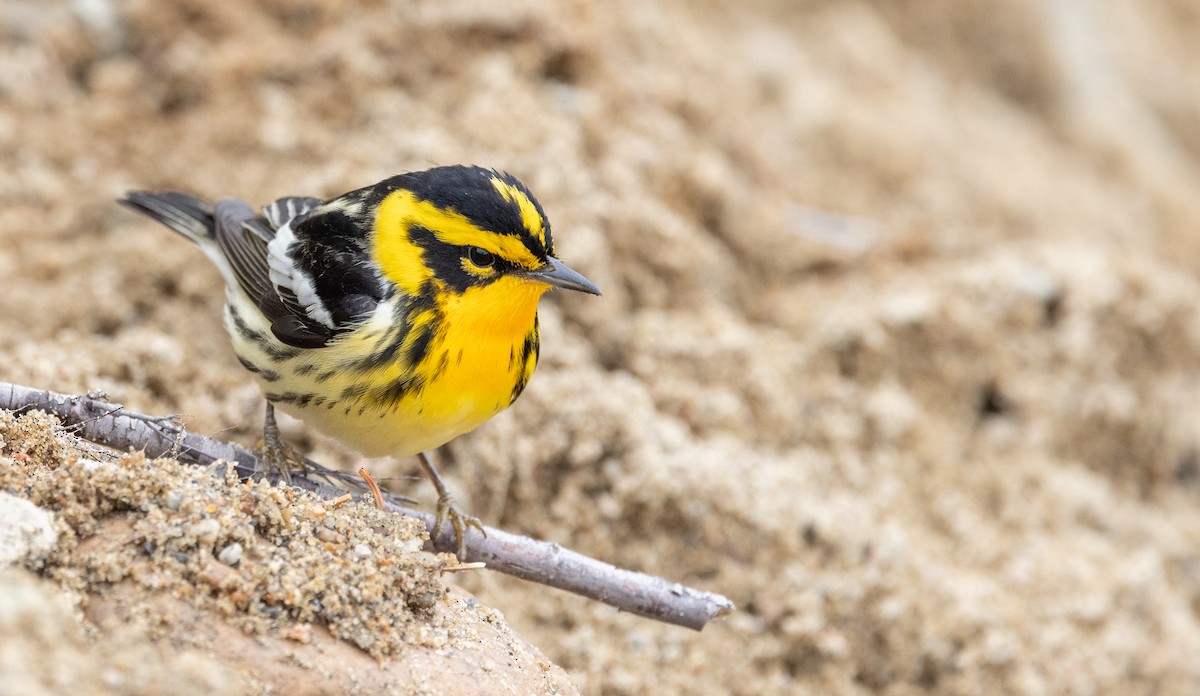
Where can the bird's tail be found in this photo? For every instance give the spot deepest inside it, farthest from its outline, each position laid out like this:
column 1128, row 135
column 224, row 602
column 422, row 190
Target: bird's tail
column 187, row 215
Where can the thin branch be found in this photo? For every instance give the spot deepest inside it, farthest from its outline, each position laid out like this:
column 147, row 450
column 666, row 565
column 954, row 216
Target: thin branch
column 542, row 562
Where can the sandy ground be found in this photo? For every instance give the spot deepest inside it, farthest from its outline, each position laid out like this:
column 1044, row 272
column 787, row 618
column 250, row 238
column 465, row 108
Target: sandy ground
column 899, row 337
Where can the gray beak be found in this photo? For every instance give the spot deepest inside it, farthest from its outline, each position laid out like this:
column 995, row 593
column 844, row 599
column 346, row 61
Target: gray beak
column 560, row 275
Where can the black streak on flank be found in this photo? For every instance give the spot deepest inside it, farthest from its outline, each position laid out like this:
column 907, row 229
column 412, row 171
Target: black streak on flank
column 354, row 392
column 378, row 358
column 301, row 400
column 517, row 389
column 265, row 344
column 529, row 357
column 267, row 375
column 242, row 328
column 442, row 364
column 394, row 340
column 420, row 345
column 390, row 396
column 274, row 352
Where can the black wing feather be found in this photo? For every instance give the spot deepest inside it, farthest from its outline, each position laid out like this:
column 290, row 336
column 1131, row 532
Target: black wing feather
column 279, row 212
column 242, row 236
column 331, row 249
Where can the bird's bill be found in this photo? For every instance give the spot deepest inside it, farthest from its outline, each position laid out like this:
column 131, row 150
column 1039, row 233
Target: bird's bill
column 560, row 275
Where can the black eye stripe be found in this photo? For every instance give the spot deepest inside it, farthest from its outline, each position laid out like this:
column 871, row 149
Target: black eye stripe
column 481, row 257
column 444, row 260
column 451, row 263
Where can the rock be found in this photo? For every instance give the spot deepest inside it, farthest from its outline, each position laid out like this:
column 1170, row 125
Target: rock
column 27, row 533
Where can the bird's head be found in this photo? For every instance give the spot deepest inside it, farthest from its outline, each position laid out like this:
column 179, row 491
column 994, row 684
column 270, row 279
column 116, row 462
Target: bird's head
column 468, row 232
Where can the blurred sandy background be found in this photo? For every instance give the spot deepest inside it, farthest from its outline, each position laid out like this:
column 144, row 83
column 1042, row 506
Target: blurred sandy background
column 899, row 341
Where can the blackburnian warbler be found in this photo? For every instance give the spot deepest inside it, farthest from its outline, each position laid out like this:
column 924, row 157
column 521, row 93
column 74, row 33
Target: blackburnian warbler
column 393, row 318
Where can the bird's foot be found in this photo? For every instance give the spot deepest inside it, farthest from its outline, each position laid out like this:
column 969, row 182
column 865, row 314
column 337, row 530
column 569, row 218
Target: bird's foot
column 274, row 455
column 447, row 509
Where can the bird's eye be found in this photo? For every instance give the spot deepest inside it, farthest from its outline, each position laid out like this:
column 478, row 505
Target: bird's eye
column 480, row 257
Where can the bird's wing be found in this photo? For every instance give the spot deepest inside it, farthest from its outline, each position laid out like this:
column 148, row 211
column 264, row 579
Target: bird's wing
column 281, row 215
column 320, row 266
column 242, row 237
column 262, row 253
column 285, row 210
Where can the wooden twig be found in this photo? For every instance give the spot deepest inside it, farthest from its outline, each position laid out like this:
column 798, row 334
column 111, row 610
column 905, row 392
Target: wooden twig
column 542, row 562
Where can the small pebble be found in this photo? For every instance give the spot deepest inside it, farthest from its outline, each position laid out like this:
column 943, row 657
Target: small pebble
column 329, row 536
column 231, row 555
column 218, row 575
column 422, row 601
column 362, row 550
column 301, row 633
column 206, row 530
column 90, row 465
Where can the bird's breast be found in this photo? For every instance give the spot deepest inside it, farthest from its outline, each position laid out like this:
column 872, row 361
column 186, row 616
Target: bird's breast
column 389, row 389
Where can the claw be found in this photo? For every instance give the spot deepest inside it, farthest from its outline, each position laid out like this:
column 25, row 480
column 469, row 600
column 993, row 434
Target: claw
column 447, row 509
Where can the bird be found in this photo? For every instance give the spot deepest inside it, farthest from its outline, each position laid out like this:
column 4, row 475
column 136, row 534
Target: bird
column 392, row 318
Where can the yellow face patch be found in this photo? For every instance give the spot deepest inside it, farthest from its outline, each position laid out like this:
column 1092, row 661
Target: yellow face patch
column 400, row 259
column 397, row 256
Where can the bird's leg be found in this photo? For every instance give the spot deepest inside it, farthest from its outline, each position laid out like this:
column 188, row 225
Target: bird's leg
column 274, row 453
column 447, row 508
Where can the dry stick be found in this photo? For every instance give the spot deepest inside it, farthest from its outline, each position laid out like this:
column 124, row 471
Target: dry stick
column 529, row 559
